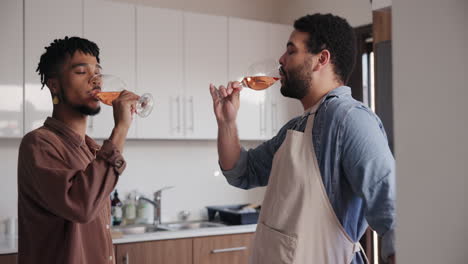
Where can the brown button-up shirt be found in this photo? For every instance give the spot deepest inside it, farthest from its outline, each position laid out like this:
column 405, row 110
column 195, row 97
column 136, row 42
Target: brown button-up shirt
column 64, row 185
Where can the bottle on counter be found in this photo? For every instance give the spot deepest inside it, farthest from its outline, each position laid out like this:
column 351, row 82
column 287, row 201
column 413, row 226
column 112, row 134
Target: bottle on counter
column 145, row 212
column 130, row 209
column 116, row 210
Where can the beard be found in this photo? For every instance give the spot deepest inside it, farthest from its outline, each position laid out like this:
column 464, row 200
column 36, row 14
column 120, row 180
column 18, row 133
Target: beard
column 297, row 81
column 86, row 110
column 82, row 109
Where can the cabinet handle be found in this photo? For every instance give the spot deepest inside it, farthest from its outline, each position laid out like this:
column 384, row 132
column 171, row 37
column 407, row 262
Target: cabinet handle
column 172, row 102
column 261, row 118
column 192, row 124
column 274, row 117
column 178, row 113
column 126, row 259
column 222, row 250
column 264, row 119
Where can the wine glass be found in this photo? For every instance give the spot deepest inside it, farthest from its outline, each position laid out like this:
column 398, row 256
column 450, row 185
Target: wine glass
column 110, row 88
column 261, row 75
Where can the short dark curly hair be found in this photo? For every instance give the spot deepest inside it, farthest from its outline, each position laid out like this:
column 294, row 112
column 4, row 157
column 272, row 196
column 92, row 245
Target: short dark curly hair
column 333, row 33
column 58, row 51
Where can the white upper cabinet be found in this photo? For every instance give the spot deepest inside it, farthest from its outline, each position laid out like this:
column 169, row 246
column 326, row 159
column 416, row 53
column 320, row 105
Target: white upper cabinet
column 11, row 65
column 171, row 54
column 111, row 25
column 160, row 71
column 205, row 51
column 45, row 21
column 279, row 109
column 248, row 44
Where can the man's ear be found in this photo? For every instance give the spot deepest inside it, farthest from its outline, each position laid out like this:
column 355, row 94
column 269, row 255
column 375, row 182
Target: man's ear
column 54, row 88
column 320, row 60
column 324, row 58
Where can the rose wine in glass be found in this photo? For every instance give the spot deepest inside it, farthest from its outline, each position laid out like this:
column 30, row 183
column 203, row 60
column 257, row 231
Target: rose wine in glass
column 261, row 75
column 107, row 97
column 109, row 87
column 259, row 82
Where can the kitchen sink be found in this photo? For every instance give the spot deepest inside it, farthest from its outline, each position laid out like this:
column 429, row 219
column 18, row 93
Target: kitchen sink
column 137, row 229
column 143, row 229
column 189, row 225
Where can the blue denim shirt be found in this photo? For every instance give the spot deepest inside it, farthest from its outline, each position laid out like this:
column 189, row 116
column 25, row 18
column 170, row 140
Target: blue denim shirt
column 356, row 164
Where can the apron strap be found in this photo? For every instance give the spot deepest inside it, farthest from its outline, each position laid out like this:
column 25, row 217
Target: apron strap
column 358, row 247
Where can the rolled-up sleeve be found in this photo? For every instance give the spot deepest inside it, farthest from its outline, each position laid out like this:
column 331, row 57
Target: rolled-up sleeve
column 254, row 165
column 370, row 169
column 73, row 194
column 235, row 174
column 112, row 155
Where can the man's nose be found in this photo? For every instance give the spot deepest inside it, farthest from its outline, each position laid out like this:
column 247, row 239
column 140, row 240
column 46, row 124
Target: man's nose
column 281, row 59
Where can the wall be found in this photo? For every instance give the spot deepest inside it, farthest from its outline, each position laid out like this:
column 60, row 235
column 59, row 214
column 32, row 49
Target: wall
column 357, row 12
column 8, row 164
column 264, row 10
column 430, row 93
column 190, row 166
column 379, row 4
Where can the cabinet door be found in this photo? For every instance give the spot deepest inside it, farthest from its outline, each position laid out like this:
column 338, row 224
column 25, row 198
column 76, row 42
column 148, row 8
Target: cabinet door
column 11, row 73
column 160, row 70
column 9, row 259
column 44, row 21
column 279, row 109
column 111, row 25
column 158, row 252
column 248, row 44
column 228, row 249
column 205, row 62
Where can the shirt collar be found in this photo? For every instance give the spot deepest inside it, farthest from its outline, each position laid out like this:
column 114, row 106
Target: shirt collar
column 313, row 109
column 70, row 135
column 337, row 92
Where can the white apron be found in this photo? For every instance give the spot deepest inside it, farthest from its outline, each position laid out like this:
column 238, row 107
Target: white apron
column 297, row 223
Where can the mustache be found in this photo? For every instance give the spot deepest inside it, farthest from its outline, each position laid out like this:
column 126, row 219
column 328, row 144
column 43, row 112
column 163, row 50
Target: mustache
column 281, row 70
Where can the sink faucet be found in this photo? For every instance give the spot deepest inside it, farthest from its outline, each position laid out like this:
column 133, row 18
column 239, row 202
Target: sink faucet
column 156, row 203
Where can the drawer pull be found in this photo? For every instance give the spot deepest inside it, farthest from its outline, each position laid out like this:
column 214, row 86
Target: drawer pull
column 214, row 251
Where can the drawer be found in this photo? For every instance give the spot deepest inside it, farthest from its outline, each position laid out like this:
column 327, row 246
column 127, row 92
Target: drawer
column 227, row 249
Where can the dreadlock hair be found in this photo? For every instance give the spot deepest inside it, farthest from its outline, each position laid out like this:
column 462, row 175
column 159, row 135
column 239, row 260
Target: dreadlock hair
column 58, row 51
column 333, row 33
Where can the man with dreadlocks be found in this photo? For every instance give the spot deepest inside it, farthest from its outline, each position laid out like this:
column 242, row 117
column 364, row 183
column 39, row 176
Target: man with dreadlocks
column 64, row 177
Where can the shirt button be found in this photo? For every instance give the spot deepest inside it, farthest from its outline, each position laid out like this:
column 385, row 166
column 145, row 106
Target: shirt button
column 118, row 163
column 107, row 226
column 110, row 258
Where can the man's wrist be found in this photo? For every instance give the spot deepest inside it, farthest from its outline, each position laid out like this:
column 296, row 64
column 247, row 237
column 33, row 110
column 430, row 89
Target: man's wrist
column 227, row 126
column 121, row 129
column 118, row 136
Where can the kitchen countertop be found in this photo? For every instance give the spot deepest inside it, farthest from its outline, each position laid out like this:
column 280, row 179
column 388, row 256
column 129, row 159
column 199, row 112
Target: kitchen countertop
column 9, row 245
column 199, row 232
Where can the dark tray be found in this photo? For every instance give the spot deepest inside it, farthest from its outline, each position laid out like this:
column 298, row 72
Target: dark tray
column 229, row 214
